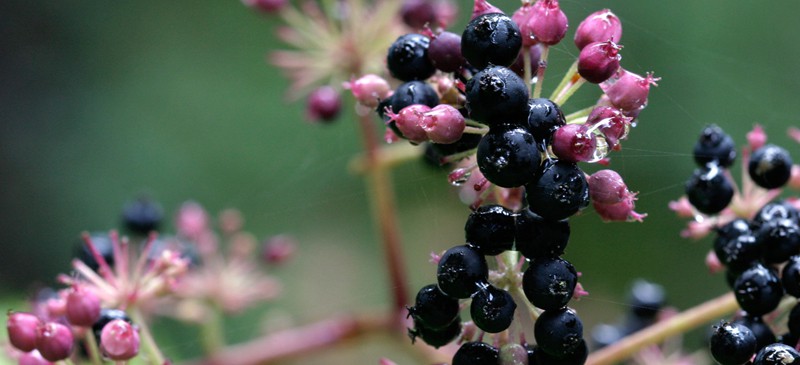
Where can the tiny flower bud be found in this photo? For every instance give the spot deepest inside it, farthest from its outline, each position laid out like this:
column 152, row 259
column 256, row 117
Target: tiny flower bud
column 598, row 61
column 682, row 207
column 32, row 358
column 408, row 122
column 622, row 211
column 547, row 22
column 443, row 124
column 607, row 187
column 192, row 220
column 628, row 91
column 757, row 138
column 418, row 13
column 323, row 104
column 119, row 340
column 54, row 341
column 444, row 51
column 574, row 143
column 266, row 6
column 599, row 26
column 521, row 17
column 369, row 89
column 22, row 330
column 612, row 123
column 481, row 7
column 83, row 306
column 278, row 249
column 712, row 262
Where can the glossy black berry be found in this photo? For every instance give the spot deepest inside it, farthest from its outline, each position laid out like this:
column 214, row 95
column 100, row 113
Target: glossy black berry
column 407, row 58
column 491, row 39
column 107, row 315
column 461, row 272
column 794, row 320
column 779, row 239
column 409, row 93
column 435, row 337
column 433, row 309
column 605, row 334
column 507, row 156
column 558, row 332
column 708, row 190
column 777, row 354
column 445, row 52
column 434, row 152
column 558, row 190
column 102, row 243
column 773, row 211
column 497, row 95
column 646, row 299
column 537, row 237
column 490, row 229
column 142, row 215
column 735, row 245
column 732, row 344
column 790, row 277
column 476, row 353
column 576, row 357
column 770, row 166
column 764, row 334
column 548, row 283
column 492, row 309
column 714, row 146
column 758, row 290
column 544, row 118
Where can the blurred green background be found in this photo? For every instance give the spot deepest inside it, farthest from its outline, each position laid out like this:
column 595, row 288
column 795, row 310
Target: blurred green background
column 102, row 101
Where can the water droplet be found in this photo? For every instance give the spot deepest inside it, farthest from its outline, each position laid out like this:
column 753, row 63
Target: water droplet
column 459, row 176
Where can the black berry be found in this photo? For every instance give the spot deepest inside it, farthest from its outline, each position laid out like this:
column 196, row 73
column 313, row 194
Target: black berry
column 490, row 229
column 435, row 337
column 549, row 283
column 794, row 320
column 790, row 277
column 537, row 237
column 492, row 309
column 407, row 58
column 559, row 332
column 476, row 353
column 491, row 39
column 507, row 156
column 714, row 146
column 497, row 95
column 544, row 118
column 576, row 357
column 708, row 190
column 558, row 191
column 770, row 166
column 736, row 246
column 732, row 344
column 758, row 290
column 646, row 299
column 764, row 335
column 445, row 52
column 779, row 239
column 107, row 315
column 433, row 309
column 461, row 272
column 142, row 215
column 777, row 354
column 773, row 211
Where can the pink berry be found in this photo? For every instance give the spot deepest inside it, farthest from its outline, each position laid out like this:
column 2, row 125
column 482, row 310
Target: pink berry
column 418, row 13
column 278, row 249
column 443, row 124
column 481, row 7
column 607, row 187
column 83, row 306
column 628, row 91
column 54, row 341
column 600, row 26
column 574, row 143
column 32, row 358
column 547, row 22
column 521, row 17
column 119, row 340
column 598, row 61
column 22, row 330
column 619, row 212
column 266, row 6
column 369, row 89
column 408, row 122
column 612, row 123
column 323, row 104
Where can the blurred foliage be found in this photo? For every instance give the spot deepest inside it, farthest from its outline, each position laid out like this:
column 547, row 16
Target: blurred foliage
column 102, row 101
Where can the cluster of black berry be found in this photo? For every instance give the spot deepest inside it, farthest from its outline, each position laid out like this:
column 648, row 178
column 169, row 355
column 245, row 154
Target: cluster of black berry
column 761, row 252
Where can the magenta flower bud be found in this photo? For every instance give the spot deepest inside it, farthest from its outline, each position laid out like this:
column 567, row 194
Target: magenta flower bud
column 612, row 123
column 521, row 17
column 757, row 138
column 598, row 61
column 628, row 91
column 323, row 104
column 418, row 13
column 191, row 220
column 370, row 89
column 547, row 22
column 278, row 249
column 444, row 51
column 83, row 306
column 119, row 340
column 481, row 7
column 519, row 65
column 574, row 143
column 607, row 187
column 266, row 6
column 619, row 212
column 443, row 124
column 600, row 26
column 22, row 330
column 54, row 341
column 32, row 358
column 408, row 122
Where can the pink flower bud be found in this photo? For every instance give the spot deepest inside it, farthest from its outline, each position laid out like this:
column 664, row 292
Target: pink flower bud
column 446, row 12
column 794, row 178
column 612, row 123
column 481, row 7
column 682, row 207
column 192, row 220
column 408, row 122
column 54, row 341
column 547, row 22
column 83, row 306
column 521, row 17
column 574, row 143
column 22, row 330
column 712, row 262
column 119, row 340
column 607, row 187
column 619, row 212
column 443, row 124
column 599, row 26
column 598, row 61
column 418, row 13
column 32, row 358
column 278, row 249
column 323, row 104
column 628, row 91
column 369, row 89
column 266, row 6
column 757, row 138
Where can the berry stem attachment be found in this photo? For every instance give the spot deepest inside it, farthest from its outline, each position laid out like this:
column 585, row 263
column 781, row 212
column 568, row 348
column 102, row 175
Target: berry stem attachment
column 148, row 342
column 92, row 348
column 712, row 310
column 575, row 83
column 579, row 115
column 537, row 90
column 474, row 130
column 457, row 156
column 526, row 62
column 568, row 76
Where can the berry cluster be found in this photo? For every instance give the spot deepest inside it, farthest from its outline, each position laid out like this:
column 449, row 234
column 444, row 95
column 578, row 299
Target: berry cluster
column 756, row 239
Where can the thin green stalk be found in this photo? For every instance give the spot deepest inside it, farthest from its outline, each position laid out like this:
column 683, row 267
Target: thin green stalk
column 148, row 342
column 212, row 332
column 579, row 114
column 537, row 90
column 573, row 70
column 565, row 94
column 526, row 62
column 92, row 348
